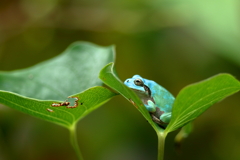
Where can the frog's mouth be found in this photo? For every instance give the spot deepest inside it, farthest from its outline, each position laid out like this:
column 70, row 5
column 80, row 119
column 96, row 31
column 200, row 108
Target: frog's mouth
column 146, row 89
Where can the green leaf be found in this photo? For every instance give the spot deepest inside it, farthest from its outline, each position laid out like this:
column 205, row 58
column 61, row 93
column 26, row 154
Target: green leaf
column 74, row 72
column 108, row 76
column 88, row 101
column 194, row 99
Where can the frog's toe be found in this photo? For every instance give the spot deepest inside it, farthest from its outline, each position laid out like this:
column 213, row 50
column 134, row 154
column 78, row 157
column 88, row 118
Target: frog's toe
column 150, row 106
column 166, row 117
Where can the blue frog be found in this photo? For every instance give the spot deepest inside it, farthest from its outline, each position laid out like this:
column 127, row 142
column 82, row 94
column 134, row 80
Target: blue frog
column 156, row 99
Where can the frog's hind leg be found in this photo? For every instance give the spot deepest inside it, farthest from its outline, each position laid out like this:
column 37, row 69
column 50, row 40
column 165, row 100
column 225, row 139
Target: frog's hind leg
column 166, row 117
column 163, row 120
column 157, row 120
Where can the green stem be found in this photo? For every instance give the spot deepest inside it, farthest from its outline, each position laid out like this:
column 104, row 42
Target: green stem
column 161, row 142
column 74, row 142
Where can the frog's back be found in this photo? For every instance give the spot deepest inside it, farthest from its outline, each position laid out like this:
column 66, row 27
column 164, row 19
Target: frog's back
column 162, row 97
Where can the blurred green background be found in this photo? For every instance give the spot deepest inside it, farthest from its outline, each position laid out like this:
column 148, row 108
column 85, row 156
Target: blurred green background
column 174, row 42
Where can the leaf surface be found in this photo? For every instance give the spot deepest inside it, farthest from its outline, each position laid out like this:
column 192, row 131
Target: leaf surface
column 73, row 73
column 194, row 99
column 88, row 101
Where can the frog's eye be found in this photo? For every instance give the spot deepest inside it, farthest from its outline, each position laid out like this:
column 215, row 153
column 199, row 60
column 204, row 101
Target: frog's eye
column 138, row 82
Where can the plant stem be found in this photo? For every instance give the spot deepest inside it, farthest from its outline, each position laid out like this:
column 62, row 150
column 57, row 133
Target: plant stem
column 161, row 142
column 74, row 142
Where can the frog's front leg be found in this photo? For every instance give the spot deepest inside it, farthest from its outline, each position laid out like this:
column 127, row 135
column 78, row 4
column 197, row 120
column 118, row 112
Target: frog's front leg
column 150, row 106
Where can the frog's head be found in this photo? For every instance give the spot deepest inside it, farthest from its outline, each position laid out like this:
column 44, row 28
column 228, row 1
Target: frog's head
column 137, row 84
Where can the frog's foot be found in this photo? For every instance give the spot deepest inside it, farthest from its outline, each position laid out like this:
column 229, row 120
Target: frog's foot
column 157, row 120
column 150, row 106
column 166, row 117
